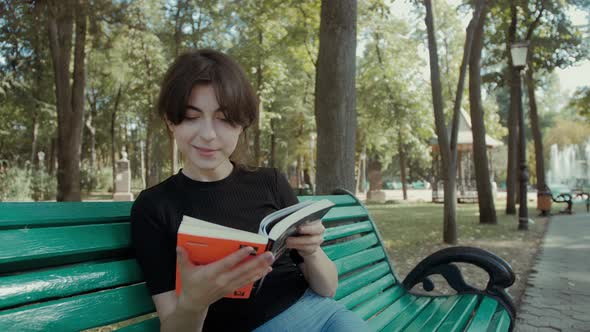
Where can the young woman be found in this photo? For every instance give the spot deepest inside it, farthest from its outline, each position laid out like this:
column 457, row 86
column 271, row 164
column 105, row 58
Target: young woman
column 208, row 103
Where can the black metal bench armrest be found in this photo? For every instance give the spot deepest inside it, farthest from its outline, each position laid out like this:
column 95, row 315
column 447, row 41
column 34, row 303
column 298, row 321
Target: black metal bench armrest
column 581, row 195
column 567, row 199
column 441, row 262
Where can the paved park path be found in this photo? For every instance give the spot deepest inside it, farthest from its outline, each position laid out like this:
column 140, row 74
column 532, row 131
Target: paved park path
column 557, row 297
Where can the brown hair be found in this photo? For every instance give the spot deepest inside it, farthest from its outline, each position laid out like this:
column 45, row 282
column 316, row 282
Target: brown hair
column 235, row 95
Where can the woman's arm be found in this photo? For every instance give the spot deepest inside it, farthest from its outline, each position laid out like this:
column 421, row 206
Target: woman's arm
column 177, row 317
column 319, row 271
column 203, row 285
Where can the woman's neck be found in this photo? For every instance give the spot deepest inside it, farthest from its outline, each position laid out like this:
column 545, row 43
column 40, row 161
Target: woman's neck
column 219, row 173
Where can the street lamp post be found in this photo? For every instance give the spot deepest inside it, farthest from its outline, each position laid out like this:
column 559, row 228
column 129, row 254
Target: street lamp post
column 518, row 51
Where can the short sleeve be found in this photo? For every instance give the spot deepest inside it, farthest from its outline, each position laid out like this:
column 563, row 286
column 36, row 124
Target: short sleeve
column 154, row 249
column 285, row 194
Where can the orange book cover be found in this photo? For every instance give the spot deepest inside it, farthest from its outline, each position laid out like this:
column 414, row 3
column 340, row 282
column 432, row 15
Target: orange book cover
column 204, row 250
column 207, row 242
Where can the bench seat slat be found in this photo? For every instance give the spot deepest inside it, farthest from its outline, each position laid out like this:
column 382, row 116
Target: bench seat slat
column 408, row 314
column 360, row 259
column 338, row 232
column 66, row 281
column 433, row 316
column 367, row 292
column 483, row 316
column 458, row 318
column 369, row 308
column 29, row 214
column 350, row 284
column 339, row 200
column 80, row 312
column 500, row 322
column 47, row 246
column 345, row 213
column 350, row 247
column 378, row 322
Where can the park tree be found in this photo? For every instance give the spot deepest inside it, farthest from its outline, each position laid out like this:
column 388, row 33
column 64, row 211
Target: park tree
column 335, row 98
column 390, row 88
column 487, row 210
column 448, row 147
column 554, row 42
column 63, row 19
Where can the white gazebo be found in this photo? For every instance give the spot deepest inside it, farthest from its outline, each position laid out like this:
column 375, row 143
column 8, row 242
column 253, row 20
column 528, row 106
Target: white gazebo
column 466, row 187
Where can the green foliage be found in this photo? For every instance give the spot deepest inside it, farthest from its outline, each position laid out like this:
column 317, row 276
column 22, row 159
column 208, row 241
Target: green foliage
column 98, row 179
column 16, row 185
column 43, row 185
column 566, row 132
column 131, row 43
column 580, row 102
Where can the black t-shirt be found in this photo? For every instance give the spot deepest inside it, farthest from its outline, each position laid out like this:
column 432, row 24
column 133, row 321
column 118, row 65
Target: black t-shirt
column 240, row 201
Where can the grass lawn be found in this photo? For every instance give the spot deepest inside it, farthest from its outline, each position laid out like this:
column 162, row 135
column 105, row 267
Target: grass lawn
column 412, row 231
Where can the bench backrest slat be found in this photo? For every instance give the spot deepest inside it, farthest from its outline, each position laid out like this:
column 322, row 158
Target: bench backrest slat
column 66, row 281
column 80, row 312
column 29, row 248
column 46, row 214
column 82, row 253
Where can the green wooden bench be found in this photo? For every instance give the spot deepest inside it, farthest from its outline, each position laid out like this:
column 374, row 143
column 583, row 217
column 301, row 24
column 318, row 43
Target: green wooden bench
column 68, row 266
column 563, row 194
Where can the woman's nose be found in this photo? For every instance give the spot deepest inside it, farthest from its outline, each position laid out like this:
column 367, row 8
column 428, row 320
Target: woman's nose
column 207, row 130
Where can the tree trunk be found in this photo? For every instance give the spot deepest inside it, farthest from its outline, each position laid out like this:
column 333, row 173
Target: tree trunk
column 259, row 78
column 514, row 82
column 487, row 211
column 36, row 89
column 335, row 98
column 113, row 137
column 449, row 223
column 70, row 99
column 402, row 165
column 537, row 136
column 273, row 144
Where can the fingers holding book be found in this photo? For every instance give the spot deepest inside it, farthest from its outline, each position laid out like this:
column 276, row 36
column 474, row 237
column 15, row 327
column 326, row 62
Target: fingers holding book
column 203, row 285
column 310, row 237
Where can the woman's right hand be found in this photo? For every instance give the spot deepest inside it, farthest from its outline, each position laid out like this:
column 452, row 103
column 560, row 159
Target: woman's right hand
column 204, row 284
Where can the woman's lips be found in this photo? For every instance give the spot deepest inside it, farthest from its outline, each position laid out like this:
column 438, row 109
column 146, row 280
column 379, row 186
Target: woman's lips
column 205, row 152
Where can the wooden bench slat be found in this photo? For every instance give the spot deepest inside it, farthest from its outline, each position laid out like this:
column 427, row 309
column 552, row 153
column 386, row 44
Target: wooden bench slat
column 345, row 213
column 500, row 322
column 351, row 283
column 380, row 321
column 350, row 247
column 35, row 214
column 458, row 318
column 52, row 245
column 339, row 200
column 483, row 316
column 66, row 281
column 149, row 325
column 338, row 232
column 363, row 258
column 430, row 320
column 80, row 312
column 367, row 292
column 370, row 308
column 408, row 314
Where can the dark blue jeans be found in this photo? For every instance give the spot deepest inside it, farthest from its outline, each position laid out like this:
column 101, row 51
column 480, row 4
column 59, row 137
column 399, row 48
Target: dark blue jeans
column 314, row 313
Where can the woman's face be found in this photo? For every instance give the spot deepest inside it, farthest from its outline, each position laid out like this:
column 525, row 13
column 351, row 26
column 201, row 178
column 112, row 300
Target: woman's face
column 204, row 137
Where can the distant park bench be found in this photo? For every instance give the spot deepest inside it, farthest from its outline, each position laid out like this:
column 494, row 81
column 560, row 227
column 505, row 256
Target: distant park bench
column 563, row 194
column 69, row 267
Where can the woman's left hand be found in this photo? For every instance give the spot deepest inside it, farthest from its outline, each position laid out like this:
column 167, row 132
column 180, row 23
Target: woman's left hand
column 310, row 237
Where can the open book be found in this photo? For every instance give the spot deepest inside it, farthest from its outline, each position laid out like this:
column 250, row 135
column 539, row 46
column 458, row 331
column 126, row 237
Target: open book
column 207, row 242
